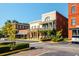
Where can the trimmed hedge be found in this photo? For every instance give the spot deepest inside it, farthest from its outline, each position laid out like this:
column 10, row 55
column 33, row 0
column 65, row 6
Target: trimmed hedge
column 6, row 48
column 21, row 46
column 6, row 43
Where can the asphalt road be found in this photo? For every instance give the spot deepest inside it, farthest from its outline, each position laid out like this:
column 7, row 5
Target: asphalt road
column 59, row 49
column 51, row 49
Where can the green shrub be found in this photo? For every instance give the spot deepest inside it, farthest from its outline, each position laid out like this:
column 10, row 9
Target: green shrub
column 45, row 39
column 65, row 40
column 60, row 39
column 57, row 37
column 11, row 44
column 6, row 43
column 4, row 48
column 21, row 46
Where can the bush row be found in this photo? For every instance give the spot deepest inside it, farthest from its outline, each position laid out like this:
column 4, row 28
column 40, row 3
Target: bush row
column 55, row 39
column 46, row 39
column 21, row 46
column 6, row 48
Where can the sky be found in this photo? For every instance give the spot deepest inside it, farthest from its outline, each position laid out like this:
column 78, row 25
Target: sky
column 27, row 12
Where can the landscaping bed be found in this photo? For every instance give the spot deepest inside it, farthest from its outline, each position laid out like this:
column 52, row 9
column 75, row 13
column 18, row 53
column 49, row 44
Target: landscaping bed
column 6, row 47
column 46, row 39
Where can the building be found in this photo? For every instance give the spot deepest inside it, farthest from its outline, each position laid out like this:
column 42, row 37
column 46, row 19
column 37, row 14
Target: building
column 34, row 27
column 73, row 22
column 49, row 21
column 22, row 29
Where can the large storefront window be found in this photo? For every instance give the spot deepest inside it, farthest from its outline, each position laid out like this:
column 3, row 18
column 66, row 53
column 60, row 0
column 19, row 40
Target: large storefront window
column 78, row 32
column 75, row 32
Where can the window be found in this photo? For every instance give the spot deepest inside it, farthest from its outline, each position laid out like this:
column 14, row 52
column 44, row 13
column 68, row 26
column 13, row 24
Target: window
column 19, row 26
column 46, row 26
column 25, row 27
column 47, row 18
column 73, row 21
column 73, row 9
column 78, row 32
column 74, row 32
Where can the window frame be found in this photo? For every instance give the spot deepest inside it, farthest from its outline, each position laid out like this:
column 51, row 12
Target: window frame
column 73, row 9
column 73, row 21
column 47, row 18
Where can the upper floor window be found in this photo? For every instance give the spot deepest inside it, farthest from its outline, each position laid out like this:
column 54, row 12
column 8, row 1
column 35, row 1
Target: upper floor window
column 73, row 9
column 47, row 18
column 73, row 21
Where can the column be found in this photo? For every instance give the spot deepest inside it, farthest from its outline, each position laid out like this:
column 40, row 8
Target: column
column 52, row 26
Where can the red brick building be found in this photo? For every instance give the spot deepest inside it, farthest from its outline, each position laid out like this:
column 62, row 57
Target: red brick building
column 73, row 21
column 22, row 30
column 62, row 24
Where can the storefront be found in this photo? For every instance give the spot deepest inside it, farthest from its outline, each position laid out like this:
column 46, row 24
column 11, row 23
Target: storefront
column 75, row 35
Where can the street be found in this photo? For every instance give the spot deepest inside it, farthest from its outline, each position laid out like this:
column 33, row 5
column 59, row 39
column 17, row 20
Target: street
column 51, row 49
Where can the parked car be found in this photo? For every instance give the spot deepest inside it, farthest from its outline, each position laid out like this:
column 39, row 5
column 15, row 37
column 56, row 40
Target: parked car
column 3, row 39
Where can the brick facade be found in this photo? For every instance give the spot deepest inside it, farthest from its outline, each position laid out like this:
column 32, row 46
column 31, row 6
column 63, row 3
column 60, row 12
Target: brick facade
column 22, row 30
column 62, row 24
column 73, row 15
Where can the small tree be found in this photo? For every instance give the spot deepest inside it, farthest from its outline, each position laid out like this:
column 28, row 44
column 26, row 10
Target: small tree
column 44, row 32
column 57, row 37
column 1, row 33
column 10, row 31
column 49, row 32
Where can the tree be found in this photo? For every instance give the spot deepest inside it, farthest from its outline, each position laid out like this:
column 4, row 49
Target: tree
column 1, row 33
column 10, row 31
column 57, row 37
column 44, row 32
column 14, row 21
column 49, row 32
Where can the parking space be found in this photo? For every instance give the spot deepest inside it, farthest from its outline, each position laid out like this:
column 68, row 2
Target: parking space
column 48, row 49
